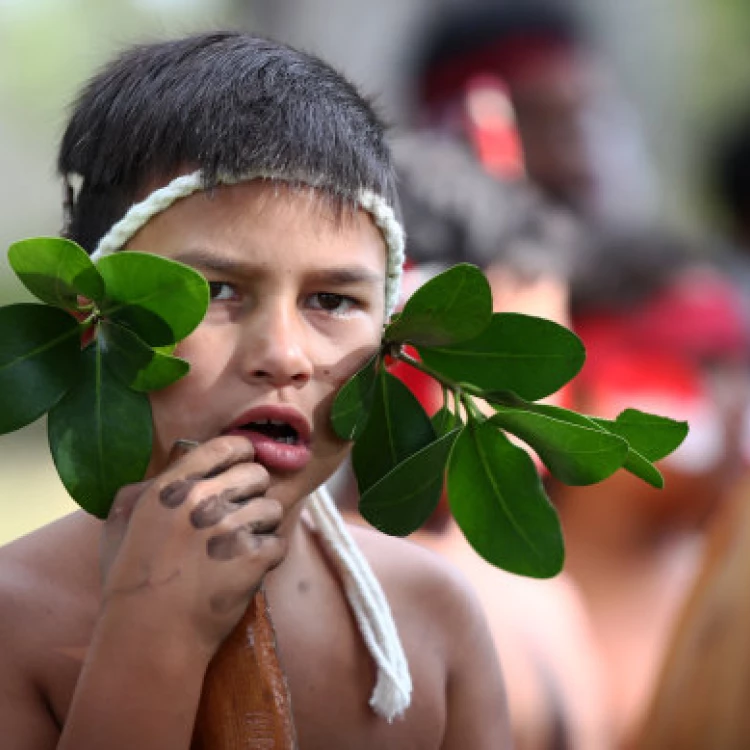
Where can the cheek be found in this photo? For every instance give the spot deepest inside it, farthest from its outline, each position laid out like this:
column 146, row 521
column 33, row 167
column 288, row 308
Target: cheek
column 344, row 363
column 331, row 376
column 171, row 419
column 208, row 355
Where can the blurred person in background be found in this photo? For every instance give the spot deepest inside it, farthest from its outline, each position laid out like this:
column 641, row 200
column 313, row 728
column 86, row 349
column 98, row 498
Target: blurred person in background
column 664, row 332
column 582, row 144
column 454, row 211
column 728, row 177
column 703, row 687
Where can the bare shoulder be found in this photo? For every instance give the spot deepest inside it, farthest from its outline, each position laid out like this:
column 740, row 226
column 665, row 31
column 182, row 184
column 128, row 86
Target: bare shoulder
column 48, row 597
column 423, row 588
column 48, row 559
column 401, row 565
column 44, row 574
column 436, row 610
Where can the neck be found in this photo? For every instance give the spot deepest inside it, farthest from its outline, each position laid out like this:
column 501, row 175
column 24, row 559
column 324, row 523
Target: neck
column 294, row 528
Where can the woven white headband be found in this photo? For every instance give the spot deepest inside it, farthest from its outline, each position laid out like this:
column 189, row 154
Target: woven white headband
column 181, row 187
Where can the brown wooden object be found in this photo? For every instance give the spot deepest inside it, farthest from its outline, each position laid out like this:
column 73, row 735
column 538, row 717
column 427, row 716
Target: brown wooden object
column 702, row 700
column 245, row 703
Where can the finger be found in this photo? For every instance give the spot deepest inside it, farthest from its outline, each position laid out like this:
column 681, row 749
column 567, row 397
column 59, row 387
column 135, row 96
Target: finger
column 180, row 448
column 216, row 456
column 212, row 509
column 212, row 499
column 252, row 525
column 245, row 541
column 262, row 515
column 206, row 460
column 239, row 483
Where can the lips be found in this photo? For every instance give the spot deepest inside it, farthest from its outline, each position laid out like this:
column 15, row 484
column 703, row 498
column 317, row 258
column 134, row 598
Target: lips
column 280, row 436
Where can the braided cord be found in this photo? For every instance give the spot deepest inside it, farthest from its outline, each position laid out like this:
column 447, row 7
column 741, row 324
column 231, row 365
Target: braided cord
column 392, row 693
column 181, row 187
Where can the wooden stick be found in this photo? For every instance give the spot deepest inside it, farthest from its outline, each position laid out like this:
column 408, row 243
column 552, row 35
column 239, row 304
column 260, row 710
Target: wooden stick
column 245, row 703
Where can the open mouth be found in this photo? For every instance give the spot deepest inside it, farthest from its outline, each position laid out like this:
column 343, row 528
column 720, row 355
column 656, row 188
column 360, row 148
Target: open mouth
column 281, row 436
column 276, row 429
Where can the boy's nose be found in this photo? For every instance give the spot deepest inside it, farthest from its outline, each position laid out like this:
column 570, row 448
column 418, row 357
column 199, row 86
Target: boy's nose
column 276, row 348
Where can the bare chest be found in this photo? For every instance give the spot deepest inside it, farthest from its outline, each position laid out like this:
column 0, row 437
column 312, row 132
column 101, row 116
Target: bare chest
column 329, row 672
column 331, row 677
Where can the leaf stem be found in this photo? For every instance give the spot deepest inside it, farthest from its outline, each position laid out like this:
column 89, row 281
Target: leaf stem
column 473, row 412
column 462, row 392
column 398, row 353
column 92, row 320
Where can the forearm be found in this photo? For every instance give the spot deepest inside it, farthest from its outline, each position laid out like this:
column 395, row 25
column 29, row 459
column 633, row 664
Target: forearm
column 140, row 687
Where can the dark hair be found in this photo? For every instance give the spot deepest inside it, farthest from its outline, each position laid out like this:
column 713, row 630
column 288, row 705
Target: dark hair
column 227, row 103
column 465, row 41
column 730, row 170
column 454, row 211
column 627, row 267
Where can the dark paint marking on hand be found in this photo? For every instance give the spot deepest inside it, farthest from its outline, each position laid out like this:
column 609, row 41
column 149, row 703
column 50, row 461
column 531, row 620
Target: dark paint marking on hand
column 228, row 546
column 175, row 493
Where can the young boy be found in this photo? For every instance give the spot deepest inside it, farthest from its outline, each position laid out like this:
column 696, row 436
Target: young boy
column 107, row 629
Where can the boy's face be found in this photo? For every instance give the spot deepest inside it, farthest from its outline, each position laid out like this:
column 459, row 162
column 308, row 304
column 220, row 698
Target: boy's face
column 297, row 306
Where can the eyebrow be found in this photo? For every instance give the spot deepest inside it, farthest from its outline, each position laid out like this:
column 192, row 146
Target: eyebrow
column 338, row 275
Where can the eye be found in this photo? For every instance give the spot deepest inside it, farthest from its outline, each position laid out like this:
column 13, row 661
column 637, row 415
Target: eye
column 220, row 291
column 337, row 304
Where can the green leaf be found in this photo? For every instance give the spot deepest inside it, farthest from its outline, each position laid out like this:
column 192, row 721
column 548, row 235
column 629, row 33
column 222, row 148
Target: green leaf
column 138, row 365
column 575, row 454
column 652, row 436
column 397, row 427
column 445, row 421
column 497, row 499
column 352, row 405
column 39, row 360
column 532, row 357
column 56, row 271
column 641, row 467
column 99, row 435
column 634, row 462
column 123, row 352
column 161, row 300
column 163, row 370
column 405, row 498
column 453, row 306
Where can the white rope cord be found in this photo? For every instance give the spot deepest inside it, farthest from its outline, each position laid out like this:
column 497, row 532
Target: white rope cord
column 392, row 693
column 393, row 233
column 181, row 187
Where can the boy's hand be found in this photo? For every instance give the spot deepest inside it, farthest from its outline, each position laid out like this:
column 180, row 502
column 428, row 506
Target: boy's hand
column 188, row 549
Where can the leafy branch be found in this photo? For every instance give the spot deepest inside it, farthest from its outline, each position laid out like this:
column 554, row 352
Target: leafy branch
column 87, row 356
column 102, row 336
column 403, row 459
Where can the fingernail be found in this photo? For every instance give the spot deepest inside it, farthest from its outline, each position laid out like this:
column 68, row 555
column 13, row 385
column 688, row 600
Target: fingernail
column 180, row 447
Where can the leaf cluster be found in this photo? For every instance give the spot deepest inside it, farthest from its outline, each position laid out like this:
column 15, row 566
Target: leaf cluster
column 103, row 335
column 100, row 338
column 403, row 458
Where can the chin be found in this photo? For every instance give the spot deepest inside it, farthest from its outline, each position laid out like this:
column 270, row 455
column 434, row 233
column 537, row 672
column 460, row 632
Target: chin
column 293, row 489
